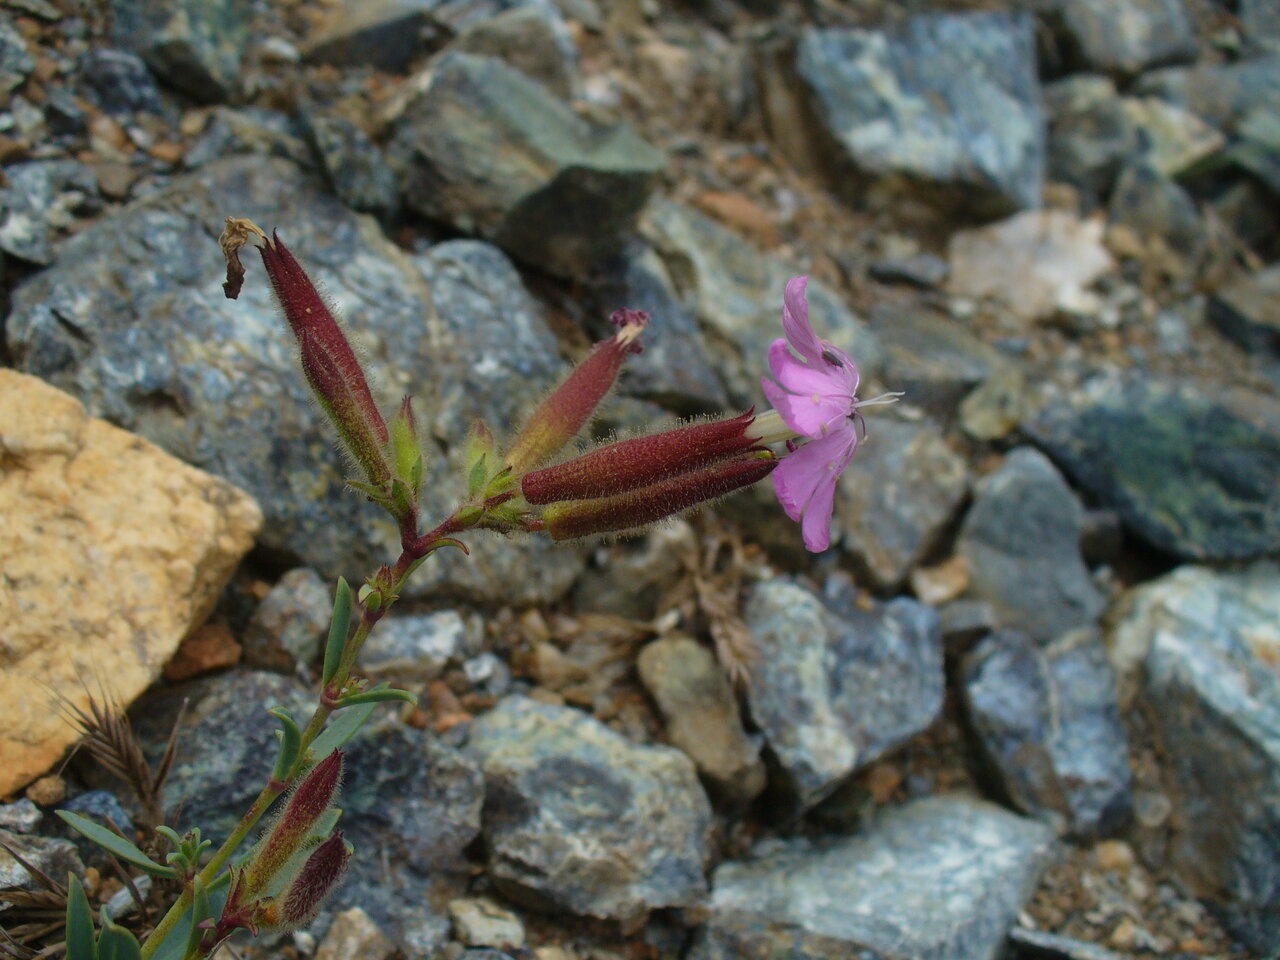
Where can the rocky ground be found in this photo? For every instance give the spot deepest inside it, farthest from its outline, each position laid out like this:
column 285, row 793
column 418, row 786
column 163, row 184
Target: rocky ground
column 1028, row 704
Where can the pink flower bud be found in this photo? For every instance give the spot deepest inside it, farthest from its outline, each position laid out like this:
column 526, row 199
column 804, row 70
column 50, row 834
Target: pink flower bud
column 301, row 900
column 636, row 508
column 292, row 830
column 559, row 418
column 329, row 362
column 640, row 462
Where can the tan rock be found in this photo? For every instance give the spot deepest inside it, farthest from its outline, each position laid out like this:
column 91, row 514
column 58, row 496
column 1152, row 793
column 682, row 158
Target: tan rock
column 112, row 552
column 352, row 934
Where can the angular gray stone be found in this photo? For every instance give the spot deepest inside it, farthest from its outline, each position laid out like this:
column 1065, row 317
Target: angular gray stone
column 735, row 291
column 354, row 166
column 833, row 686
column 418, row 647
column 1223, row 94
column 38, row 205
column 942, row 878
column 1248, row 311
column 193, row 45
column 1121, row 37
column 701, row 713
column 16, row 62
column 53, row 857
column 133, row 322
column 1049, row 726
column 927, row 271
column 1090, row 134
column 1186, row 474
column 21, row 816
column 533, row 38
column 949, row 106
column 1038, row 945
column 286, row 628
column 232, row 131
column 118, row 82
column 578, row 818
column 1164, row 216
column 901, row 497
column 386, row 34
column 1021, row 539
column 491, row 152
column 1203, row 646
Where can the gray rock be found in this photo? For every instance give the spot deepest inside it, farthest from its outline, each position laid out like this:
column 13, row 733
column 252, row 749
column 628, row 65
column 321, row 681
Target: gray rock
column 1173, row 139
column 931, row 357
column 411, row 807
column 1223, row 94
column 39, row 204
column 227, row 744
column 1021, row 539
column 927, row 271
column 491, row 152
column 1186, row 474
column 531, row 37
column 289, row 624
column 701, row 713
column 16, row 62
column 354, row 166
column 578, row 818
column 1039, row 945
column 1121, row 37
column 118, row 82
column 386, row 34
column 1261, row 21
column 192, row 45
column 902, row 496
column 52, row 857
column 1248, row 311
column 21, row 816
column 221, row 388
column 481, row 922
column 1163, row 215
column 418, row 647
column 675, row 369
column 941, row 878
column 1049, row 726
column 834, row 686
column 951, row 106
column 1089, row 133
column 1205, row 644
column 257, row 131
column 735, row 291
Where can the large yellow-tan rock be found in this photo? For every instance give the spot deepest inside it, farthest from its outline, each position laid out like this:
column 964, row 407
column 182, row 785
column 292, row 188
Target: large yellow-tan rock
column 111, row 551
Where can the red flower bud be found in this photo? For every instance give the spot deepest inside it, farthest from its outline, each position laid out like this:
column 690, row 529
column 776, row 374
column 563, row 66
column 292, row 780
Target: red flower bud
column 636, row 508
column 559, row 417
column 640, row 462
column 300, row 901
column 292, row 831
column 329, row 362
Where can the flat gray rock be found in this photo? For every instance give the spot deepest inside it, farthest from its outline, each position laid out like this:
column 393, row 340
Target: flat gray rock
column 1224, row 94
column 1021, row 539
column 1248, row 311
column 949, row 107
column 941, row 878
column 192, row 45
column 1202, row 646
column 1186, row 474
column 1121, row 37
column 493, row 153
column 1090, row 133
column 834, row 686
column 578, row 818
column 16, row 62
column 39, row 203
column 1049, row 726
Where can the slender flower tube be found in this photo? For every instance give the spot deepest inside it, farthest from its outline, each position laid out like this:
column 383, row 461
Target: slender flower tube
column 299, row 902
column 570, row 519
column 640, row 462
column 559, row 418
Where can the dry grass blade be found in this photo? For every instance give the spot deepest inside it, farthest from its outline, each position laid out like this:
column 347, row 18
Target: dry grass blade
column 45, row 881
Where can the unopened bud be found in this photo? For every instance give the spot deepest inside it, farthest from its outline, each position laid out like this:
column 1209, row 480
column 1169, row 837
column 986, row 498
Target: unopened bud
column 559, row 418
column 292, row 831
column 636, row 508
column 640, row 462
column 329, row 362
column 303, row 897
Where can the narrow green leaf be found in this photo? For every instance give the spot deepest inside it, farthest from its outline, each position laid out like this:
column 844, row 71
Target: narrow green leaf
column 338, row 625
column 377, row 695
column 342, row 729
column 115, row 942
column 80, row 939
column 117, row 844
column 290, row 743
column 477, row 476
column 199, row 912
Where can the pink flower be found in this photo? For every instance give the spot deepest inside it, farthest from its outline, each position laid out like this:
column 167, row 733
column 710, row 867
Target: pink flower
column 815, row 396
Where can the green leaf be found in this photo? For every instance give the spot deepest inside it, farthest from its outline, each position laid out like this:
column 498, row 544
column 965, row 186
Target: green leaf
column 115, row 942
column 477, row 475
column 199, row 912
column 115, row 843
column 342, row 729
column 338, row 625
column 290, row 743
column 175, row 944
column 80, row 940
column 379, row 694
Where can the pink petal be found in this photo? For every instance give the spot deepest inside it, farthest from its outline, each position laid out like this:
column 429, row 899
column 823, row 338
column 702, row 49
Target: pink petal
column 816, row 525
column 795, row 320
column 805, row 483
column 799, row 377
column 814, row 417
